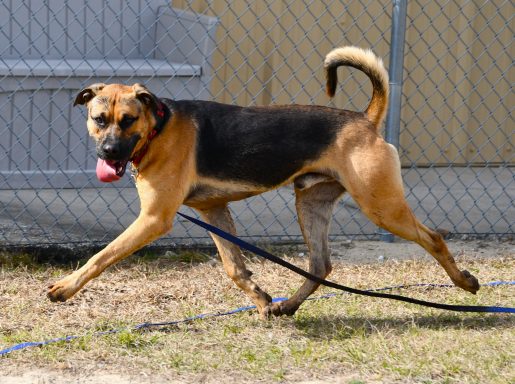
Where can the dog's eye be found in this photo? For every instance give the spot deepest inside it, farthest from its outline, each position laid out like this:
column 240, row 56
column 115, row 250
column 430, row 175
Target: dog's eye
column 100, row 120
column 127, row 121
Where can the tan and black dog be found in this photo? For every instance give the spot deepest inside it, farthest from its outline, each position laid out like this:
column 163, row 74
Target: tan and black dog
column 205, row 154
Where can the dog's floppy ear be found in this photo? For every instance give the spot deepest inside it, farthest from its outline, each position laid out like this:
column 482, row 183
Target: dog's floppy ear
column 145, row 96
column 88, row 93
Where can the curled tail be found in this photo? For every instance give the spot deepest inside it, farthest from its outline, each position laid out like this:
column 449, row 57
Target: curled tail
column 367, row 62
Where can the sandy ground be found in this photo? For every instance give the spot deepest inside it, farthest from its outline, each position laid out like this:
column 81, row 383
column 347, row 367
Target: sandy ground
column 377, row 251
column 346, row 252
column 49, row 377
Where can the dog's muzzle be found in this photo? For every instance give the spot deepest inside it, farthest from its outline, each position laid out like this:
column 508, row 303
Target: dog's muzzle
column 113, row 156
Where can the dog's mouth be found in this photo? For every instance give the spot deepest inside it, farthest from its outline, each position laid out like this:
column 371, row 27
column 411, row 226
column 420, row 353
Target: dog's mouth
column 113, row 156
column 110, row 170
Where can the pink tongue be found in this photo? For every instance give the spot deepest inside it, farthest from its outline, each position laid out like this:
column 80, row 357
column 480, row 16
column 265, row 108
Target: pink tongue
column 106, row 172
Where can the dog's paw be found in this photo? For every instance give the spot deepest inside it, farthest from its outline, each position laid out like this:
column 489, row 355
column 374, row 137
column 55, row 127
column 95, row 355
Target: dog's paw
column 266, row 313
column 269, row 311
column 60, row 291
column 55, row 293
column 471, row 284
column 467, row 282
column 280, row 308
column 276, row 308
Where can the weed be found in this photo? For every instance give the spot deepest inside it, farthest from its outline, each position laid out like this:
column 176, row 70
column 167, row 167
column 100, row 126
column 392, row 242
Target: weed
column 191, row 257
column 135, row 340
column 232, row 329
column 249, row 356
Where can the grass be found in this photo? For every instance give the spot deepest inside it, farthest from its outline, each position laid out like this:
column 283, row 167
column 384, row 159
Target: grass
column 355, row 339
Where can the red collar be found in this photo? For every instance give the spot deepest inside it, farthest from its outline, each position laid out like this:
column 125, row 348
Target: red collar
column 138, row 156
column 162, row 114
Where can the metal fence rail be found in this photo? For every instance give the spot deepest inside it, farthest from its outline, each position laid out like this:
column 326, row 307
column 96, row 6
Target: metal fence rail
column 450, row 63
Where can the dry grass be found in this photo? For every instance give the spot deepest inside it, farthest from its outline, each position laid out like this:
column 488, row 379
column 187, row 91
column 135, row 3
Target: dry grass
column 347, row 338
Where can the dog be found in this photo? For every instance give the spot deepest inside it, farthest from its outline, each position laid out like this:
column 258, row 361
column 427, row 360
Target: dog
column 205, row 154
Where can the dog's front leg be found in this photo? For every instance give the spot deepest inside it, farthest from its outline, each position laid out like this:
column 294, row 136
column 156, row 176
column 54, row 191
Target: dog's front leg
column 141, row 232
column 154, row 220
column 232, row 259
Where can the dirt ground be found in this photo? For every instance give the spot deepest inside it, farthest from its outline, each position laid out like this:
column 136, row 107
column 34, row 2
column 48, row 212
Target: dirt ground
column 350, row 252
column 377, row 251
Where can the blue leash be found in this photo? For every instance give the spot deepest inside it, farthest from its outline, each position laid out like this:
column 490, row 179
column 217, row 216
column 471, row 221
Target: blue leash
column 29, row 344
column 260, row 252
column 243, row 244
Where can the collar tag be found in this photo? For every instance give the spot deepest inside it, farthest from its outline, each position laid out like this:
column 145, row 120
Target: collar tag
column 134, row 172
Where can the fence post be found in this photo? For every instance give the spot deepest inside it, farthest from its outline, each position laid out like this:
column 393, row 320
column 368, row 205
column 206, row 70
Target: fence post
column 393, row 118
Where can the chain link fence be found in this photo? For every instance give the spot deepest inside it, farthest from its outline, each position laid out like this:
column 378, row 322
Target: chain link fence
column 456, row 105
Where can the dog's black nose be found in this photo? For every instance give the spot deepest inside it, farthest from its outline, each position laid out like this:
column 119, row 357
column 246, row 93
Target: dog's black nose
column 110, row 149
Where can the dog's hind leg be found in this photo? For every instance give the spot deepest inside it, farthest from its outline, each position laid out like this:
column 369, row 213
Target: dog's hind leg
column 314, row 209
column 373, row 179
column 232, row 260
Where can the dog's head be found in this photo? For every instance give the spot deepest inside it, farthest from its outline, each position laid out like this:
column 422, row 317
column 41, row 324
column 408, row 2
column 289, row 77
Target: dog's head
column 120, row 118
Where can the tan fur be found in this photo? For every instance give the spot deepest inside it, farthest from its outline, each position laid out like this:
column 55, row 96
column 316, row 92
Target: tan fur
column 359, row 161
column 372, row 66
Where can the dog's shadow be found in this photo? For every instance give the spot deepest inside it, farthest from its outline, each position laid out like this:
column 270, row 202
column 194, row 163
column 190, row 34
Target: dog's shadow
column 346, row 327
